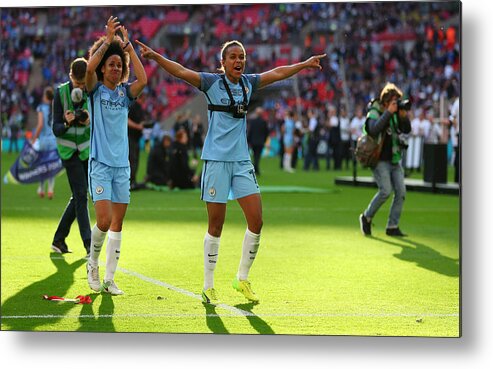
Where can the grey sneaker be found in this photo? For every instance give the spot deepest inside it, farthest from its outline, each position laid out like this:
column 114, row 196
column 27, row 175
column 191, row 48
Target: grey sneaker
column 93, row 277
column 111, row 287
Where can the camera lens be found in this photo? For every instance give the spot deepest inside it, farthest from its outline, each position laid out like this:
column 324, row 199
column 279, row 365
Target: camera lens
column 404, row 104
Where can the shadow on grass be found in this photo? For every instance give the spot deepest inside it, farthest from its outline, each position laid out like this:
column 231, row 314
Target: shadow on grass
column 423, row 256
column 213, row 320
column 256, row 322
column 103, row 322
column 216, row 325
column 29, row 302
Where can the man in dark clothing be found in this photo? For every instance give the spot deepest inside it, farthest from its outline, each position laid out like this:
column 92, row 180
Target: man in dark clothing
column 197, row 135
column 182, row 176
column 258, row 131
column 183, row 122
column 136, row 119
column 158, row 163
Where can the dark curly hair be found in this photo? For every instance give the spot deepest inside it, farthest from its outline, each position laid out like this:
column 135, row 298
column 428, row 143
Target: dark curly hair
column 113, row 49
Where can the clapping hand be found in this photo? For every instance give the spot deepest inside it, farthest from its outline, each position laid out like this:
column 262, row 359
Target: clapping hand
column 112, row 25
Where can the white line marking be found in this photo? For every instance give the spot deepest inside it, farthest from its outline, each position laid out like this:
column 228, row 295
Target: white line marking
column 110, row 316
column 236, row 311
column 200, row 208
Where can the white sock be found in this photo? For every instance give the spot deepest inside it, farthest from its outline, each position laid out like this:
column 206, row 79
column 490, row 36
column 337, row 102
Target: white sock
column 112, row 254
column 51, row 184
column 251, row 244
column 211, row 252
column 41, row 187
column 287, row 161
column 97, row 240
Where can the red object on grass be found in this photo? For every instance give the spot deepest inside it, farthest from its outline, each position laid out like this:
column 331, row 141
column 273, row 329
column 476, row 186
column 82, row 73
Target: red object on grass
column 78, row 300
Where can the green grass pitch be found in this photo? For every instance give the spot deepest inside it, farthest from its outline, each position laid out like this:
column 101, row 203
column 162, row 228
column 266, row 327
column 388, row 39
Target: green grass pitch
column 315, row 273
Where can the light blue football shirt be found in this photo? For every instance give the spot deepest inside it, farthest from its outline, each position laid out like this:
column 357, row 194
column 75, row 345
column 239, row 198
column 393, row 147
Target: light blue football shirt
column 47, row 139
column 226, row 138
column 108, row 110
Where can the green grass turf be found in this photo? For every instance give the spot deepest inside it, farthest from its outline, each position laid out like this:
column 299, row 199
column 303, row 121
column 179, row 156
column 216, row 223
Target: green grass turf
column 315, row 273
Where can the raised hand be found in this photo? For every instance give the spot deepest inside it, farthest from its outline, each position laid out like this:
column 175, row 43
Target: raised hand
column 125, row 41
column 314, row 61
column 112, row 25
column 145, row 51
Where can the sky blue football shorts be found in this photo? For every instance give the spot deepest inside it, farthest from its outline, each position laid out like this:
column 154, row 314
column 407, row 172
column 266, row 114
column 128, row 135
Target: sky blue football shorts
column 227, row 180
column 109, row 183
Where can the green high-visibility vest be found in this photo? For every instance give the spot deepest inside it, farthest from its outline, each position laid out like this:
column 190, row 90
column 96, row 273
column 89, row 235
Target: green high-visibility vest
column 374, row 112
column 77, row 136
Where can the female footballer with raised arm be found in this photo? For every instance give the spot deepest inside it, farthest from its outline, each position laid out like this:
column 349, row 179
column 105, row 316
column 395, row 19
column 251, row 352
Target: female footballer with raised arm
column 109, row 170
column 228, row 173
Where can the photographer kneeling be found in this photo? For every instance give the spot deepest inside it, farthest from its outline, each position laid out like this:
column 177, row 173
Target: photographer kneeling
column 386, row 120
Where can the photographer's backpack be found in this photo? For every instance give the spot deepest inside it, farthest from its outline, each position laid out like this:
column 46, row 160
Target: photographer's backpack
column 367, row 150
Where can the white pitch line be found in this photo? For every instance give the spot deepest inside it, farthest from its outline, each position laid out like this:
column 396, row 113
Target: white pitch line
column 110, row 316
column 200, row 208
column 234, row 310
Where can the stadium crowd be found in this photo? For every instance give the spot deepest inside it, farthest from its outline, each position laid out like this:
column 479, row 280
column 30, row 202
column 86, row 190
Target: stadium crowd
column 416, row 45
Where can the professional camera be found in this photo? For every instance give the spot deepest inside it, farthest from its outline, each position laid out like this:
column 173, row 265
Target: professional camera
column 78, row 101
column 404, row 104
column 81, row 115
column 239, row 111
column 403, row 141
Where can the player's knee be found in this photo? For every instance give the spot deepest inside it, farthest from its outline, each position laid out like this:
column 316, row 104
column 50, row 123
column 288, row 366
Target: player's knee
column 103, row 225
column 104, row 222
column 116, row 225
column 215, row 230
column 256, row 227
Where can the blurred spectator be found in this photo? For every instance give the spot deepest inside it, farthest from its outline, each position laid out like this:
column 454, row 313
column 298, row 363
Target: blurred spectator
column 43, row 138
column 181, row 175
column 412, row 157
column 435, row 131
column 288, row 141
column 297, row 143
column 198, row 132
column 183, row 122
column 345, row 131
column 455, row 136
column 357, row 126
column 15, row 128
column 334, row 139
column 311, row 155
column 136, row 119
column 258, row 132
column 158, row 162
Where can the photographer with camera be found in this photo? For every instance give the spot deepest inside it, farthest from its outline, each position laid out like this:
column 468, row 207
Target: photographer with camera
column 386, row 119
column 71, row 127
column 227, row 164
